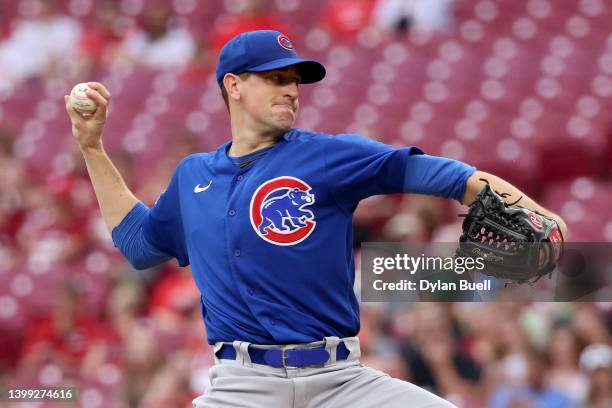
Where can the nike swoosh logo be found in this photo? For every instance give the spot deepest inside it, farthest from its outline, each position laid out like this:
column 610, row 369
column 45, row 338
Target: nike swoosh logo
column 199, row 189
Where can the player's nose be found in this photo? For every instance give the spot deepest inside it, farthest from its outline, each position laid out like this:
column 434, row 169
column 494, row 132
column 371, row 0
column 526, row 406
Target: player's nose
column 291, row 90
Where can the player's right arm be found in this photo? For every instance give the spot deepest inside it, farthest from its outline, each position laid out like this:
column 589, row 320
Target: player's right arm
column 123, row 214
column 114, row 197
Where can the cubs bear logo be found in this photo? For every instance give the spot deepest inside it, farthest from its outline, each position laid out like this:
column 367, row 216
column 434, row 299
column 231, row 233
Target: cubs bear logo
column 277, row 211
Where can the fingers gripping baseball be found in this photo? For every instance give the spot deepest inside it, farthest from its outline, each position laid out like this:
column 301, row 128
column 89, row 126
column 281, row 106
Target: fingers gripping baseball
column 87, row 126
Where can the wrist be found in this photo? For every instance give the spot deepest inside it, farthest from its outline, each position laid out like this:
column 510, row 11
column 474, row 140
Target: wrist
column 92, row 149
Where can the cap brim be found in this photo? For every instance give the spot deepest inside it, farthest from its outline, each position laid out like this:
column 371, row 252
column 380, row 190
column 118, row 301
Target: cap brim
column 311, row 71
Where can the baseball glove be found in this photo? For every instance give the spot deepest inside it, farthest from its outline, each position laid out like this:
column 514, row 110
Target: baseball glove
column 514, row 243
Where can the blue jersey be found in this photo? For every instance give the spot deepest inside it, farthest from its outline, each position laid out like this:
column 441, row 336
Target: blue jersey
column 270, row 243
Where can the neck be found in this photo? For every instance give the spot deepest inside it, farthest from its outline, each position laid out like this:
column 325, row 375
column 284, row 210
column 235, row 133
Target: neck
column 249, row 138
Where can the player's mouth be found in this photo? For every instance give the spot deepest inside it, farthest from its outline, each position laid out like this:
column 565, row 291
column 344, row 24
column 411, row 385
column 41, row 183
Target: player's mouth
column 285, row 106
column 284, row 109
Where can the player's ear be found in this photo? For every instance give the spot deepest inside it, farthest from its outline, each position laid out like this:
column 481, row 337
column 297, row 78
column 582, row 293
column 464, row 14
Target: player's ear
column 230, row 82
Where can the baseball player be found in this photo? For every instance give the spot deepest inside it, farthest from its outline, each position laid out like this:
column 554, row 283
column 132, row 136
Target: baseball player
column 265, row 221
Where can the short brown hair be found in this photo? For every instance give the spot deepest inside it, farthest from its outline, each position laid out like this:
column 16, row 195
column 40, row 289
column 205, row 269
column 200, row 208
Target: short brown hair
column 242, row 76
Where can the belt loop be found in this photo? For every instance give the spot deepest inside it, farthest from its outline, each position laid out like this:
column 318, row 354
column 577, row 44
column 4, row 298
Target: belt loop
column 244, row 350
column 331, row 343
column 239, row 357
column 216, row 348
column 352, row 344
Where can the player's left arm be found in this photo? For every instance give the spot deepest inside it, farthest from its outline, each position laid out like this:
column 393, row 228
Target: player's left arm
column 476, row 182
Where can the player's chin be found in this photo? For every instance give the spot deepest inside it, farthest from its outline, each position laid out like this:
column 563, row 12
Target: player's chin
column 284, row 122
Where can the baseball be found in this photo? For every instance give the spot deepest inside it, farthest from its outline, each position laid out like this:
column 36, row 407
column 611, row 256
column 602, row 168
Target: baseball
column 79, row 99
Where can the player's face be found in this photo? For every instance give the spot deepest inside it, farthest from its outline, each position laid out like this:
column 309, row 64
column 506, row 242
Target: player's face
column 271, row 98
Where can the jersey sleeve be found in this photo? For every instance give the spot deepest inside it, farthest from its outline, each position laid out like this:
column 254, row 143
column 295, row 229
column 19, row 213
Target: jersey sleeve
column 358, row 167
column 130, row 240
column 163, row 226
column 148, row 237
column 439, row 176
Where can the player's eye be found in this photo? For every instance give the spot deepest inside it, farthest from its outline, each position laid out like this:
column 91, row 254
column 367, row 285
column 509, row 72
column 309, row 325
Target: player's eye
column 281, row 79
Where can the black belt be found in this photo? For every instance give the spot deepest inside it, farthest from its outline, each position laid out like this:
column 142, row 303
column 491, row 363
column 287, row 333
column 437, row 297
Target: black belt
column 286, row 358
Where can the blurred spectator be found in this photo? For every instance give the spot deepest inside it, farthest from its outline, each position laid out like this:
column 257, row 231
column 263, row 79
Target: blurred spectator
column 183, row 144
column 420, row 15
column 100, row 42
column 344, row 19
column 251, row 15
column 533, row 393
column 200, row 66
column 12, row 184
column 596, row 361
column 479, row 324
column 419, row 215
column 587, row 321
column 377, row 348
column 159, row 42
column 563, row 353
column 44, row 44
column 5, row 26
column 70, row 336
column 126, row 304
column 371, row 216
column 434, row 361
column 170, row 387
column 448, row 232
column 54, row 229
column 143, row 359
column 174, row 297
column 514, row 346
column 126, row 309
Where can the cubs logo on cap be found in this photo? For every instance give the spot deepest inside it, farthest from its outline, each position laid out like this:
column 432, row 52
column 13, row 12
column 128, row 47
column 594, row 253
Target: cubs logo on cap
column 278, row 211
column 285, row 42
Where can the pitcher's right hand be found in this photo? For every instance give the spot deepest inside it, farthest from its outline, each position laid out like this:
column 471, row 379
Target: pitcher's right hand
column 87, row 127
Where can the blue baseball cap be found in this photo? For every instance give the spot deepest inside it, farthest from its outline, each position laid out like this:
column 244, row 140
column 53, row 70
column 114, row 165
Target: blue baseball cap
column 264, row 50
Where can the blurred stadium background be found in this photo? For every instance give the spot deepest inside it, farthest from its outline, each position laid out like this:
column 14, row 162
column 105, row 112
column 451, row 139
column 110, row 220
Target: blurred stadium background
column 519, row 88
